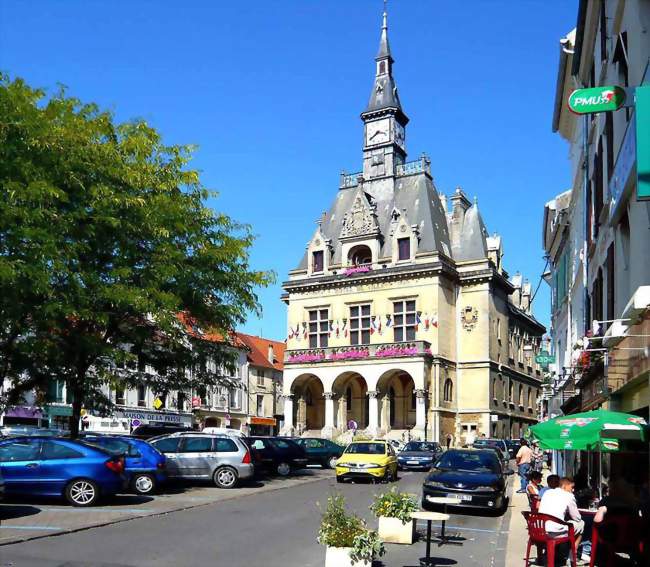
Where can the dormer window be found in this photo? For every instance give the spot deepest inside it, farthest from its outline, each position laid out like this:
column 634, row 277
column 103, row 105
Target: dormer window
column 403, row 248
column 360, row 256
column 382, row 67
column 317, row 261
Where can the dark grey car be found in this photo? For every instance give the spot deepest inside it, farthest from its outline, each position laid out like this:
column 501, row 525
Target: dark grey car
column 223, row 459
column 418, row 455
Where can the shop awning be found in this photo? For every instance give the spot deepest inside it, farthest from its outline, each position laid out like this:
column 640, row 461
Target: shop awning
column 262, row 421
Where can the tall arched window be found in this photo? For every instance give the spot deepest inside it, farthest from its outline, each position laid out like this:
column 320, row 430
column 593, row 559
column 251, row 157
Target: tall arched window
column 449, row 390
column 348, row 398
column 309, row 399
column 511, row 391
column 528, row 398
column 360, row 256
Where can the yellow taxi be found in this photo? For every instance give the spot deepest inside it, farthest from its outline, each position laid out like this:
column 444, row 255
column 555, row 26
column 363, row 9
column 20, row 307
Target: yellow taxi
column 375, row 460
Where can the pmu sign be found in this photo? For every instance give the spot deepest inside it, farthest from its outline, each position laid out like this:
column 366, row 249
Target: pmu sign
column 596, row 99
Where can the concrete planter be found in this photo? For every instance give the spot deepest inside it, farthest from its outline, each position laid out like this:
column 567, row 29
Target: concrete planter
column 392, row 530
column 340, row 557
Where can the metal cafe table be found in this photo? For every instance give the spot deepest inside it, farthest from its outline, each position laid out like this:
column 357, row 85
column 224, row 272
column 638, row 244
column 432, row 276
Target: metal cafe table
column 429, row 517
column 445, row 501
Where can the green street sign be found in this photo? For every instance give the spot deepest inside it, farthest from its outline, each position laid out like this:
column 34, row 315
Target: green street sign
column 596, row 99
column 544, row 358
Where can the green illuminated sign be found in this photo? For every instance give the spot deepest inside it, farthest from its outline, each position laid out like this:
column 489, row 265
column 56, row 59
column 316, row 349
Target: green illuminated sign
column 596, row 99
column 544, row 358
column 642, row 96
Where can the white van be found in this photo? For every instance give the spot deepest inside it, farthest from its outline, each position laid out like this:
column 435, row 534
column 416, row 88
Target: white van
column 94, row 424
column 222, row 431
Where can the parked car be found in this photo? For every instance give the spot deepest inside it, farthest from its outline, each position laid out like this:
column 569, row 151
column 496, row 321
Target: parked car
column 45, row 466
column 320, row 451
column 418, row 455
column 513, row 446
column 474, row 476
column 277, row 455
column 375, row 460
column 2, row 484
column 485, row 442
column 224, row 460
column 144, row 465
column 148, row 430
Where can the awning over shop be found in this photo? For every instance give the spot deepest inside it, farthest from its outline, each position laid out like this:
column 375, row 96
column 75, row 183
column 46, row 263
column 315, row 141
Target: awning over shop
column 26, row 412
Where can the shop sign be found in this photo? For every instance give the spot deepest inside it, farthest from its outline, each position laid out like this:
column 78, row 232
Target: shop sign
column 150, row 416
column 596, row 99
column 263, row 421
column 643, row 142
column 625, row 162
column 196, row 402
column 544, row 358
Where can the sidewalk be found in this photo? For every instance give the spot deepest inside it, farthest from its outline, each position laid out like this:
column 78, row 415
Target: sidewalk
column 517, row 532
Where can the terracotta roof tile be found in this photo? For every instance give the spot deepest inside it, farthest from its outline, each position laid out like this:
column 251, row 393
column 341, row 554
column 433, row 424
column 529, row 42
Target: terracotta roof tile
column 259, row 351
column 209, row 334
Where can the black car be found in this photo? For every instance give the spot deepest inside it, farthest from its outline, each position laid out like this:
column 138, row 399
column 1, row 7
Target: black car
column 276, row 455
column 320, row 451
column 474, row 476
column 513, row 446
column 146, row 431
column 418, row 455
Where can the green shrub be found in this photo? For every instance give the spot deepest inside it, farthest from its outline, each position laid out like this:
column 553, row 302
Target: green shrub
column 394, row 504
column 337, row 527
column 366, row 546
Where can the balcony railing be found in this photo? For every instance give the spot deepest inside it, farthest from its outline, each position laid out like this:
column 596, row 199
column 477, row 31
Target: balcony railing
column 350, row 179
column 422, row 165
column 358, row 352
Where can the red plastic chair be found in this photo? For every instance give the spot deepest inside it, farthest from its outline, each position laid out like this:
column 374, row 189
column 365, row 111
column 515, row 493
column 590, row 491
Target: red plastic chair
column 616, row 533
column 537, row 535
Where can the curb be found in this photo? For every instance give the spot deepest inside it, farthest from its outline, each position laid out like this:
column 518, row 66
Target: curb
column 235, row 496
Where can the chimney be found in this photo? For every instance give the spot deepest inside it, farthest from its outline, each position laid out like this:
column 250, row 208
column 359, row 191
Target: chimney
column 271, row 354
column 459, row 204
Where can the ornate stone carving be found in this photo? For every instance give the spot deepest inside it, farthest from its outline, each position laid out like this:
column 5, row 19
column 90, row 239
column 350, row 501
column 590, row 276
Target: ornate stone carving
column 360, row 220
column 329, row 395
column 421, row 394
column 469, row 317
column 285, row 397
column 372, row 394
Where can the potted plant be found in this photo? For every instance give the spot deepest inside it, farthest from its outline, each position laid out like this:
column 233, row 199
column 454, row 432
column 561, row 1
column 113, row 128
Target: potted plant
column 348, row 542
column 394, row 511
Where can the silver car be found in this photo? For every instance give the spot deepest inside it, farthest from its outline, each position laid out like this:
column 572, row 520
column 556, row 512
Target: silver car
column 223, row 459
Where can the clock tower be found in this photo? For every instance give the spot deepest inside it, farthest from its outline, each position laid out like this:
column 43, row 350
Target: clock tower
column 384, row 144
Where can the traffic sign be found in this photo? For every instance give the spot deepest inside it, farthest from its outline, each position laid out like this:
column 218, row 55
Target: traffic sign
column 596, row 99
column 158, row 403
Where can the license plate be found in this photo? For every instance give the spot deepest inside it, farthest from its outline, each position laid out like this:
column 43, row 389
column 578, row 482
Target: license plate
column 466, row 497
column 412, row 462
column 357, row 470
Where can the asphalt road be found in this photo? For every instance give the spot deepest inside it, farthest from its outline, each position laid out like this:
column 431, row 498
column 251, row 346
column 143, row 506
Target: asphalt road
column 270, row 529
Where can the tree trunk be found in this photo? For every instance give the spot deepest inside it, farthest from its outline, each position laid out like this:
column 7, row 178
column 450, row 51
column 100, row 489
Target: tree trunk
column 77, row 402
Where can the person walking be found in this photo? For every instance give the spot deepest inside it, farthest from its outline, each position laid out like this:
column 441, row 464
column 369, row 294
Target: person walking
column 523, row 459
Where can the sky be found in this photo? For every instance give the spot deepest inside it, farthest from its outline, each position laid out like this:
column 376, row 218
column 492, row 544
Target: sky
column 271, row 92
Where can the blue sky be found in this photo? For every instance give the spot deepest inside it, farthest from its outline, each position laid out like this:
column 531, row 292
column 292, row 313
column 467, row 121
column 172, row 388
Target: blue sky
column 271, row 93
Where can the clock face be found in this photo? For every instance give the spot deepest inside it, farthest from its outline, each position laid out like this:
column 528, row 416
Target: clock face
column 377, row 132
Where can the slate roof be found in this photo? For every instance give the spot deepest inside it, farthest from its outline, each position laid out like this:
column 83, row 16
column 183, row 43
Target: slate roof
column 472, row 244
column 414, row 195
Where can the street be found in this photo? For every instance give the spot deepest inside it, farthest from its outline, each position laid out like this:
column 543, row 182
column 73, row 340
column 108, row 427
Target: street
column 275, row 528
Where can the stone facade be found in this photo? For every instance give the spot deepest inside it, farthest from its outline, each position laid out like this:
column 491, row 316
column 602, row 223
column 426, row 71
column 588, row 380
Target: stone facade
column 401, row 319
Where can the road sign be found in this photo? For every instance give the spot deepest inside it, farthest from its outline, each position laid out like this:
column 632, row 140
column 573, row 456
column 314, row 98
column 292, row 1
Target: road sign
column 158, row 403
column 544, row 358
column 643, row 142
column 135, row 422
column 596, row 99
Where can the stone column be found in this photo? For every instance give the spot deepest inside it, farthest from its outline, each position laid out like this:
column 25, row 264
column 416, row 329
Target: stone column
column 373, row 413
column 288, row 428
column 420, row 414
column 329, row 430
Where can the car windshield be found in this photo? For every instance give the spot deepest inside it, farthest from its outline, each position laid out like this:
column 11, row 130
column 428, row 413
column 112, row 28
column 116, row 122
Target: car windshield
column 468, row 462
column 492, row 443
column 116, row 446
column 420, row 446
column 366, row 449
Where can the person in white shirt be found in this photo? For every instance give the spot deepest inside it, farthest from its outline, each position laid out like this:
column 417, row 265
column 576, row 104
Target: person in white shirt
column 561, row 503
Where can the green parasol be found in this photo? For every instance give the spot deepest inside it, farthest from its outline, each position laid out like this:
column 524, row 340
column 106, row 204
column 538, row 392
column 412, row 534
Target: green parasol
column 598, row 430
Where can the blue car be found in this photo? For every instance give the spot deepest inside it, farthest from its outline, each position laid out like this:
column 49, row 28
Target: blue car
column 46, row 466
column 144, row 465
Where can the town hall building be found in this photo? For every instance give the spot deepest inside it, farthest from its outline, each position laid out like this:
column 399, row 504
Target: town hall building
column 402, row 321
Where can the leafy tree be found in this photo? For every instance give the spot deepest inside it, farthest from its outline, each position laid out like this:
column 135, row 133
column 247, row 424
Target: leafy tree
column 105, row 238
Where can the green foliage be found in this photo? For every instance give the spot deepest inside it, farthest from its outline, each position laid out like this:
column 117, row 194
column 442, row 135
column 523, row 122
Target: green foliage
column 337, row 527
column 105, row 237
column 394, row 504
column 366, row 546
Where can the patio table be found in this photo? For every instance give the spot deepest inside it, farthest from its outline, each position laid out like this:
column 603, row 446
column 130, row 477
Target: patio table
column 429, row 517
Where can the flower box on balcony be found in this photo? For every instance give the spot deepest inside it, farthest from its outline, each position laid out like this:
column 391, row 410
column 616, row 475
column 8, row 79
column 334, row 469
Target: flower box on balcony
column 356, row 270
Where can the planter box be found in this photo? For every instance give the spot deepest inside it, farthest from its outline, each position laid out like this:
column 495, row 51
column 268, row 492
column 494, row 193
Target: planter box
column 392, row 530
column 340, row 557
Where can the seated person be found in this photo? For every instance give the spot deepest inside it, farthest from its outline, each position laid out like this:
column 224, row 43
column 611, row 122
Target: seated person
column 534, row 485
column 561, row 503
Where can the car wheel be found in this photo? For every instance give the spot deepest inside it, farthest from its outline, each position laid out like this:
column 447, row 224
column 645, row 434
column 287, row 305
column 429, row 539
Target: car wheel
column 143, row 484
column 82, row 492
column 283, row 469
column 225, row 477
column 332, row 462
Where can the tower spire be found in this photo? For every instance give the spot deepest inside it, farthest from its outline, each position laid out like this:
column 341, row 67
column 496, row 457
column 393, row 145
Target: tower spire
column 384, row 48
